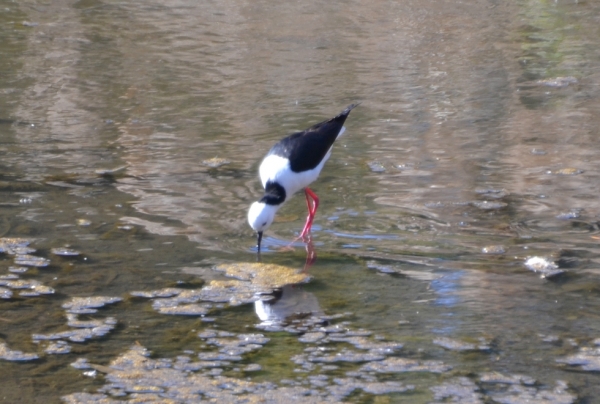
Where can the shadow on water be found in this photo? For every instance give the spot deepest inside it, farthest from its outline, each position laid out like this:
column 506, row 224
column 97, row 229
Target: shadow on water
column 456, row 237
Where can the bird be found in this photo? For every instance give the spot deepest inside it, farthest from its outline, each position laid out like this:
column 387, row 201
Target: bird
column 293, row 164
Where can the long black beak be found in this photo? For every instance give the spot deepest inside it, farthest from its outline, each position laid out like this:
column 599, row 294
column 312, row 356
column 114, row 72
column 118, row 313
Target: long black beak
column 258, row 240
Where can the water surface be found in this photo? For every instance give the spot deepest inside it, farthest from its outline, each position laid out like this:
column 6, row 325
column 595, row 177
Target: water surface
column 131, row 133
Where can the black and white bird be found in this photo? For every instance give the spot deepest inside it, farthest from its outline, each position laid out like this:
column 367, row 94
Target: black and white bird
column 291, row 165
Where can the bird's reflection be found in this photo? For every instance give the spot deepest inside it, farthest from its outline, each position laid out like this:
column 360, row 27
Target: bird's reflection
column 287, row 304
column 311, row 253
column 291, row 303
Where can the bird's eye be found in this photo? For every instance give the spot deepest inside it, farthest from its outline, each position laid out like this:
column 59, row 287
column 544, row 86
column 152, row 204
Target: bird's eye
column 265, row 223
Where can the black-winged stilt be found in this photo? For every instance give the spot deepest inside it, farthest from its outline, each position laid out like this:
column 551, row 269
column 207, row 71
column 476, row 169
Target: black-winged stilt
column 291, row 165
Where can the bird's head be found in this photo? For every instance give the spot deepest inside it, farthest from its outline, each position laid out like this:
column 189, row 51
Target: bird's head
column 260, row 217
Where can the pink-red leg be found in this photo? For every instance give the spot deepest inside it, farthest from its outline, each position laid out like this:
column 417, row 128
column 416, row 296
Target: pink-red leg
column 312, row 209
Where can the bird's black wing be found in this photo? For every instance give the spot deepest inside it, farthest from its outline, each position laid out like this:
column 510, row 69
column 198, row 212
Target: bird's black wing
column 306, row 149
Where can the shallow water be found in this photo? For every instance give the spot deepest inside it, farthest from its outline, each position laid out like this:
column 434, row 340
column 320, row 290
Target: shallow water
column 130, row 136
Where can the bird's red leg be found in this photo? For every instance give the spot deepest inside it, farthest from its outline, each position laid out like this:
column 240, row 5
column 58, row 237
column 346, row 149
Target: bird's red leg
column 312, row 209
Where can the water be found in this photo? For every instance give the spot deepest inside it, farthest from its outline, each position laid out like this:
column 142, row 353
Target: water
column 131, row 133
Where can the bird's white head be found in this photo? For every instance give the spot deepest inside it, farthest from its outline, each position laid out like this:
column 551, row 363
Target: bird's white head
column 261, row 216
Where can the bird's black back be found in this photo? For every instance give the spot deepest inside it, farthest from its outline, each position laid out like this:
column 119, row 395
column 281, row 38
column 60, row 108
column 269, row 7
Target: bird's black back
column 306, row 149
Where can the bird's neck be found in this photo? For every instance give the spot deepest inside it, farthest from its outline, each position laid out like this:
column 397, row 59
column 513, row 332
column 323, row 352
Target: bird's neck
column 274, row 194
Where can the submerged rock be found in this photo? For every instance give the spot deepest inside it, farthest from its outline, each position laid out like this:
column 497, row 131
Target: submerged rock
column 8, row 354
column 58, row 348
column 516, row 393
column 546, row 267
column 83, row 331
column 253, row 367
column 30, row 287
column 312, row 337
column 5, row 293
column 566, row 171
column 558, row 82
column 251, row 280
column 489, row 205
column 215, row 162
column 264, row 276
column 37, row 290
column 166, row 292
column 185, row 309
column 499, row 378
column 492, row 193
column 586, row 359
column 136, row 376
column 184, row 302
column 21, row 250
column 346, row 355
column 64, row 252
column 10, row 245
column 401, row 365
column 493, row 249
column 460, row 390
column 384, row 269
column 376, row 167
column 16, row 283
column 81, row 363
column 456, row 345
column 343, row 387
column 88, row 305
column 73, row 321
column 112, row 172
column 17, row 270
column 31, row 260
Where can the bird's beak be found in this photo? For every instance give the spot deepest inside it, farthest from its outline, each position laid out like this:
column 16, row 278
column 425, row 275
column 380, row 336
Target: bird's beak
column 258, row 240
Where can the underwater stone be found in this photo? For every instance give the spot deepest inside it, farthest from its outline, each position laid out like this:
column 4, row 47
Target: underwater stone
column 544, row 266
column 5, row 293
column 586, row 359
column 65, row 252
column 253, row 367
column 15, row 283
column 516, row 393
column 487, row 205
column 246, row 339
column 400, row 365
column 493, row 249
column 186, row 310
column 58, row 348
column 8, row 354
column 312, row 337
column 10, row 245
column 456, row 345
column 499, row 378
column 346, row 355
column 81, row 363
column 215, row 162
column 31, row 260
column 87, row 305
column 17, row 270
column 459, row 390
column 166, row 292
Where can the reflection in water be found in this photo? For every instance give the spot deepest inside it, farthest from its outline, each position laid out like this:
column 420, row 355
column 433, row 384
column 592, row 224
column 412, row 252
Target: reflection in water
column 291, row 302
column 311, row 253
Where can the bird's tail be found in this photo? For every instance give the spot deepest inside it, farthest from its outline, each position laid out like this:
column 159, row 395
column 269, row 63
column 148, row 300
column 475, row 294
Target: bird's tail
column 335, row 121
column 348, row 109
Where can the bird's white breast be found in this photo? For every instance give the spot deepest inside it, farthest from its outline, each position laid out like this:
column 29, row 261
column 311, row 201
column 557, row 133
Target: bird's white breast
column 277, row 169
